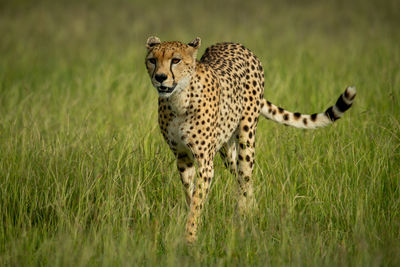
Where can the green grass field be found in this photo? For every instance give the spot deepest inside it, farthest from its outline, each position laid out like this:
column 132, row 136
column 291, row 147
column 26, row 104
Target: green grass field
column 86, row 178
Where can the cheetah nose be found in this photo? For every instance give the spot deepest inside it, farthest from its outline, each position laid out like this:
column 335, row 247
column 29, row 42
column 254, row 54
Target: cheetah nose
column 160, row 77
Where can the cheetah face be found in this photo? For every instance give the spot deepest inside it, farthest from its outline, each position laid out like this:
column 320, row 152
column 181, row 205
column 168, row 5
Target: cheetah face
column 171, row 64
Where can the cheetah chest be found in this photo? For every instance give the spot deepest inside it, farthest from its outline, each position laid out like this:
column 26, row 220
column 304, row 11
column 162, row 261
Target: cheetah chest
column 175, row 132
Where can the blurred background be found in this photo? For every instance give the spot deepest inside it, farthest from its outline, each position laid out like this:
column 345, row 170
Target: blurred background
column 46, row 32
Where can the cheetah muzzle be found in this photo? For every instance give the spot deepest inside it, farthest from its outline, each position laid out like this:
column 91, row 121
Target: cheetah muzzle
column 213, row 105
column 165, row 89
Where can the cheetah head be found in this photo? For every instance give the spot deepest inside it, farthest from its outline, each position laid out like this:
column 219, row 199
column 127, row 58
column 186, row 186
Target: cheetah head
column 171, row 64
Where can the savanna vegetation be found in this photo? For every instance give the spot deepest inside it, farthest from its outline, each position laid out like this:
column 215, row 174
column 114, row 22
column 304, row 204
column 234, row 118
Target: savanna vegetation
column 86, row 178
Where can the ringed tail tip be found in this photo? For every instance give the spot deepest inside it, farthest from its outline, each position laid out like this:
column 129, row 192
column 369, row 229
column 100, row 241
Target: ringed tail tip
column 350, row 92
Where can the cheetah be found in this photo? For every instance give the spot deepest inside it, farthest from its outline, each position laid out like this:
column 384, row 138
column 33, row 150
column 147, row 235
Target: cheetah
column 213, row 105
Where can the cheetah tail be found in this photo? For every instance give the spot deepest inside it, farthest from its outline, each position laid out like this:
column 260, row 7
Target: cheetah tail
column 316, row 120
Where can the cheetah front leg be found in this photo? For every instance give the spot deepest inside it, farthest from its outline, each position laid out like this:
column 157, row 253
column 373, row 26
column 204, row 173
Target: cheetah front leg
column 200, row 191
column 187, row 172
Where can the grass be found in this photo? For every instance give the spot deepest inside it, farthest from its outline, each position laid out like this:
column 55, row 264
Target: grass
column 86, row 179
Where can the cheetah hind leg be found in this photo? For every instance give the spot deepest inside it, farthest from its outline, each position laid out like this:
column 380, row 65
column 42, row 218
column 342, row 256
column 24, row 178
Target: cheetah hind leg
column 228, row 153
column 246, row 202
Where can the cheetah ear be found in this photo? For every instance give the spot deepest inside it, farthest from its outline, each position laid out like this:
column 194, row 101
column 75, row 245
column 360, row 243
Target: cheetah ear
column 152, row 41
column 195, row 43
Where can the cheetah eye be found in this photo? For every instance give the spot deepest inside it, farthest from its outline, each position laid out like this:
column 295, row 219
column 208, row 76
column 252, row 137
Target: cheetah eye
column 175, row 60
column 152, row 61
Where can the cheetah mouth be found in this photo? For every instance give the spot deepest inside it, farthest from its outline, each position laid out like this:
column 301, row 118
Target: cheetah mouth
column 165, row 90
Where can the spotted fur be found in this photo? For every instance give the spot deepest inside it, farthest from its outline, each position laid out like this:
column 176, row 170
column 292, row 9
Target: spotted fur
column 213, row 105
